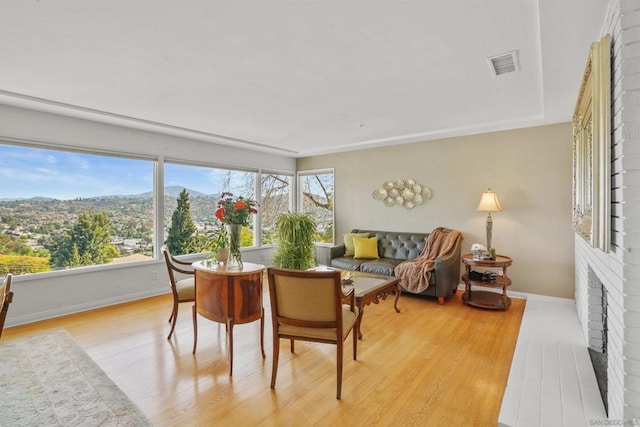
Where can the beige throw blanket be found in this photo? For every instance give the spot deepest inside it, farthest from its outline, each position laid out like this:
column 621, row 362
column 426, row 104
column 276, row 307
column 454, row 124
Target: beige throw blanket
column 414, row 274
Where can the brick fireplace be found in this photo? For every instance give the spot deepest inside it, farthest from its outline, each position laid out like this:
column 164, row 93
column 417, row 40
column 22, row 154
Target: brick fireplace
column 597, row 328
column 597, row 313
column 616, row 275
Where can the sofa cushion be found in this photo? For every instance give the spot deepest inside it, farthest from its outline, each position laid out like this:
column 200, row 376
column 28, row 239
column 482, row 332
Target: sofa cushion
column 347, row 263
column 396, row 245
column 382, row 266
column 348, row 242
column 365, row 248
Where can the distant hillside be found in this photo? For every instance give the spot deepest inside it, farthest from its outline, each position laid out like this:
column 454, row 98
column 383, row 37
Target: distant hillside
column 32, row 199
column 169, row 191
column 174, row 191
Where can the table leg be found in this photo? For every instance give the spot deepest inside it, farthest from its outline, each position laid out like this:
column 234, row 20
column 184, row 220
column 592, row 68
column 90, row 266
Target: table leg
column 195, row 328
column 230, row 329
column 504, row 297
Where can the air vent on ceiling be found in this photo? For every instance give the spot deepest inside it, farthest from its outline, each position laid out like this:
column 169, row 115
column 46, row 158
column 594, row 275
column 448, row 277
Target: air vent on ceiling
column 504, row 63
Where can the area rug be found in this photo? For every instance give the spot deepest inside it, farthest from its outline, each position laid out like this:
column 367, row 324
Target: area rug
column 48, row 380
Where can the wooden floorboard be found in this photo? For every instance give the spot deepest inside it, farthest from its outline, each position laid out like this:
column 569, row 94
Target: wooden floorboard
column 427, row 365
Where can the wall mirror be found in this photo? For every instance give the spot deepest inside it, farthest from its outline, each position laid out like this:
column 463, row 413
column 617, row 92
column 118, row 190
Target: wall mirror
column 592, row 149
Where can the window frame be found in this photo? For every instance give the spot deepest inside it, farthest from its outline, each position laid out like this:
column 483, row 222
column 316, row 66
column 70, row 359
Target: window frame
column 48, row 147
column 158, row 171
column 300, row 198
column 292, row 197
column 182, row 162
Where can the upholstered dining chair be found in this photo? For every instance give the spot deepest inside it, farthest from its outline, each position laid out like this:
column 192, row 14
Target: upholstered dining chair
column 6, row 296
column 183, row 290
column 307, row 306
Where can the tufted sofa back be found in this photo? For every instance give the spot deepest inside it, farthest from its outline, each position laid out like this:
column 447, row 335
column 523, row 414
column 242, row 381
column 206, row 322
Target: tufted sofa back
column 398, row 245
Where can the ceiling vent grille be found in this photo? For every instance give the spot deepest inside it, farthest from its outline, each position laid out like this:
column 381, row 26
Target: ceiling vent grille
column 504, row 63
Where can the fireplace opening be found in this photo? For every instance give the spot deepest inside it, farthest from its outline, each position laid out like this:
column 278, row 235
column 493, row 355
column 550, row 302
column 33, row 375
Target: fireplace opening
column 598, row 334
column 599, row 361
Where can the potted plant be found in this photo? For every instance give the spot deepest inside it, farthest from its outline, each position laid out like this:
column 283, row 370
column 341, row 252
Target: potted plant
column 294, row 241
column 220, row 245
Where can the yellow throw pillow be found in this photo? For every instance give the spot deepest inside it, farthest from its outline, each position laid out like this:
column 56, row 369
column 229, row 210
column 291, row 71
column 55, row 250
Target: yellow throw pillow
column 366, row 248
column 348, row 242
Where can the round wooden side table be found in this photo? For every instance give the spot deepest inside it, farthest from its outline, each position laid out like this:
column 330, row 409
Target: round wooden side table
column 486, row 299
column 231, row 296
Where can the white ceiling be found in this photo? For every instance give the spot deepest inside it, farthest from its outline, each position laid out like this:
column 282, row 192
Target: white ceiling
column 298, row 77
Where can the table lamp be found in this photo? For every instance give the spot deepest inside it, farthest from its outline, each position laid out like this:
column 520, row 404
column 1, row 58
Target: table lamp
column 489, row 203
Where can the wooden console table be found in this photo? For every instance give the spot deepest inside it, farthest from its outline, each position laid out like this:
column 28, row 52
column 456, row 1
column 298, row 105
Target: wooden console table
column 486, row 299
column 229, row 296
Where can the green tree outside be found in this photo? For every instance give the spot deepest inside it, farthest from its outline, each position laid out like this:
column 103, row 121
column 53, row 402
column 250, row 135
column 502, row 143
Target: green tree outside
column 181, row 235
column 87, row 242
column 18, row 264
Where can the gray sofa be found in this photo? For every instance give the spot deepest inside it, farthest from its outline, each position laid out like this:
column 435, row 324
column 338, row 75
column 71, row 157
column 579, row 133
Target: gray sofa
column 396, row 247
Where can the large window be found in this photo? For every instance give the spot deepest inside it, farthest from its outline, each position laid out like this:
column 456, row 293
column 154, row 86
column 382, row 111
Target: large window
column 191, row 195
column 316, row 198
column 276, row 198
column 61, row 209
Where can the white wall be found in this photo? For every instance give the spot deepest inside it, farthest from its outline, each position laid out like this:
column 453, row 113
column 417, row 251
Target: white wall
column 619, row 270
column 33, row 126
column 530, row 169
column 51, row 294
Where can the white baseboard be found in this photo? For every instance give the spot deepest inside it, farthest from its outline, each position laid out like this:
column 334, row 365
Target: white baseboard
column 50, row 314
column 526, row 295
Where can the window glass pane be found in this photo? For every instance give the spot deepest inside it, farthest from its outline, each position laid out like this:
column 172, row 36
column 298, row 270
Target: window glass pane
column 203, row 187
column 276, row 198
column 317, row 199
column 62, row 209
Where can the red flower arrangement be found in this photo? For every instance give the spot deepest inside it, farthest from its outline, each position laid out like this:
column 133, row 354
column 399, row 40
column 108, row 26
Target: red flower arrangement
column 236, row 211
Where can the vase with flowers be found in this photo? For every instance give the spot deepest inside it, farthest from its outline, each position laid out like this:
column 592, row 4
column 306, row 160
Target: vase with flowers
column 235, row 213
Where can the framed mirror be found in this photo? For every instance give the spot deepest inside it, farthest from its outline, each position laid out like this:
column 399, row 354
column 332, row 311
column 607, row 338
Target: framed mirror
column 592, row 149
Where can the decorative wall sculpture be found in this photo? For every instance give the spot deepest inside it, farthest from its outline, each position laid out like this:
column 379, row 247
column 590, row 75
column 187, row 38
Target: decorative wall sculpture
column 402, row 192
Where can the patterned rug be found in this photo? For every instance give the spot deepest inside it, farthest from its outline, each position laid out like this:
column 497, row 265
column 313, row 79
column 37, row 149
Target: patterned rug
column 48, row 380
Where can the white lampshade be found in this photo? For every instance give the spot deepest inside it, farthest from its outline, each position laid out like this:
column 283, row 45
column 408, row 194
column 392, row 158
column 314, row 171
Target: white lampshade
column 489, row 202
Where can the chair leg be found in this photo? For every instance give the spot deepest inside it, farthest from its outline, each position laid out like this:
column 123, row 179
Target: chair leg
column 276, row 354
column 264, row 356
column 339, row 368
column 173, row 318
column 441, row 300
column 355, row 345
column 195, row 328
column 292, row 347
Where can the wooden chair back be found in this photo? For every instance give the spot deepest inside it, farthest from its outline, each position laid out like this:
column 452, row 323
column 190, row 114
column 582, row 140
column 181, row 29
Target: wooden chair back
column 6, row 297
column 308, row 306
column 306, row 299
column 174, row 265
column 182, row 290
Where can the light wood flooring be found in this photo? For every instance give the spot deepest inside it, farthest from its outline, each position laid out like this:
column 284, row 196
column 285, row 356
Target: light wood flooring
column 427, row 365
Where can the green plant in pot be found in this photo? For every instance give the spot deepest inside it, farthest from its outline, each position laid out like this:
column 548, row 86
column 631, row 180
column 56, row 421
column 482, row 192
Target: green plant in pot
column 220, row 245
column 294, row 241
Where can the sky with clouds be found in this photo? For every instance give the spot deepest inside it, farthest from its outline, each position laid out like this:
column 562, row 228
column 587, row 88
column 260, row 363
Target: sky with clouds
column 29, row 172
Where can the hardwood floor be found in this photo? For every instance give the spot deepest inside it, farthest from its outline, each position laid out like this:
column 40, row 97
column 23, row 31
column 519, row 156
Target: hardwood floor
column 427, row 365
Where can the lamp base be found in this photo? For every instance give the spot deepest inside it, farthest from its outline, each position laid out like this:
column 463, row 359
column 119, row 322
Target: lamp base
column 489, row 230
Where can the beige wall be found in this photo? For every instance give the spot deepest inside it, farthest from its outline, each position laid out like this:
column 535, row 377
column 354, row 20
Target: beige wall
column 530, row 169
